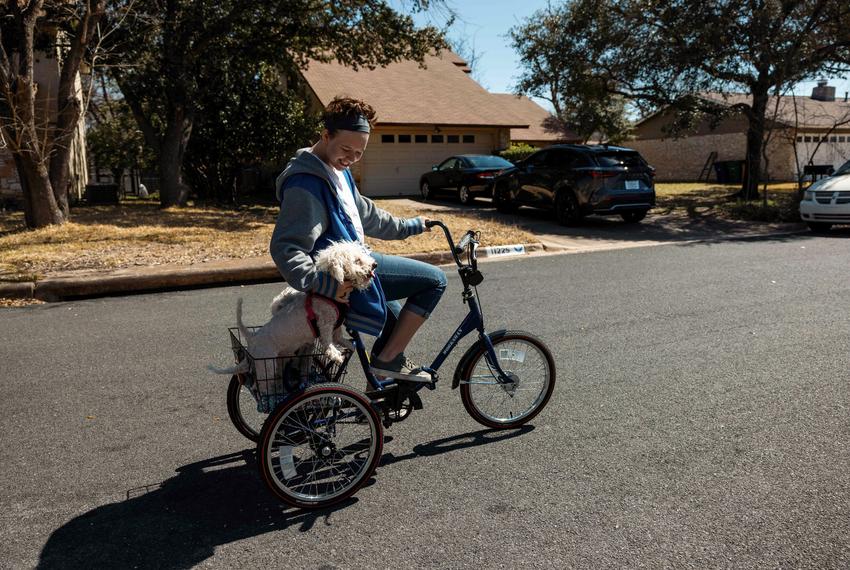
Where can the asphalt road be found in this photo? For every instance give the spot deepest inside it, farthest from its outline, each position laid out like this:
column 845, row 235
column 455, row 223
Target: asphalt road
column 700, row 420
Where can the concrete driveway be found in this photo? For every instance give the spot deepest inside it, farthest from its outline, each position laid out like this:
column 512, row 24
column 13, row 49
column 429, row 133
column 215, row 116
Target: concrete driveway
column 606, row 233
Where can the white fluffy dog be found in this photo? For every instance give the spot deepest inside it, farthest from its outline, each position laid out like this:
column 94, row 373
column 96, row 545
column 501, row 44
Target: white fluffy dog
column 289, row 330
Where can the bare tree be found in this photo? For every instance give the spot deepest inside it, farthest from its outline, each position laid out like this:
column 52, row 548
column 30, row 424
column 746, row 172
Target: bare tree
column 42, row 151
column 802, row 117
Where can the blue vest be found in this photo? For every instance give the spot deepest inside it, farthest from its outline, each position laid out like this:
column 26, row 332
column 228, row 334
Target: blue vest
column 368, row 308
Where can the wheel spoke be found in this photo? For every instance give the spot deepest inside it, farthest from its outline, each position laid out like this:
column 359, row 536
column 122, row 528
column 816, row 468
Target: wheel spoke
column 331, row 457
column 507, row 403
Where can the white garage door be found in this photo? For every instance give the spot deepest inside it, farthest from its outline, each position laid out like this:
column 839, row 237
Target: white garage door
column 393, row 162
column 834, row 149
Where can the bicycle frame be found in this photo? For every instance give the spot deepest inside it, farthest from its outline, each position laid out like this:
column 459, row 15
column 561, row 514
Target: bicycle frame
column 474, row 320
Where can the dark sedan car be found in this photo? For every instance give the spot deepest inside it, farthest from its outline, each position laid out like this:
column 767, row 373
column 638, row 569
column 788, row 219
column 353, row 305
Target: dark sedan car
column 578, row 180
column 466, row 175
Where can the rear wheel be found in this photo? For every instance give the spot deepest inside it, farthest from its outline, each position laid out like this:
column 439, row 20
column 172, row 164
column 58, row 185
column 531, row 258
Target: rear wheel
column 819, row 227
column 425, row 190
column 634, row 216
column 242, row 409
column 320, row 447
column 464, row 196
column 527, row 362
column 566, row 209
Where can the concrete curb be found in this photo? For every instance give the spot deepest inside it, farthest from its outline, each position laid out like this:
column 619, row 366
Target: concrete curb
column 562, row 249
column 172, row 278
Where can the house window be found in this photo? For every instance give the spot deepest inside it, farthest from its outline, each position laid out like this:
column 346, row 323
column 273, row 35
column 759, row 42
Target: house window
column 404, row 138
column 807, row 139
column 387, row 138
column 841, row 139
column 453, row 138
column 833, row 139
column 421, row 138
column 468, row 139
column 799, row 138
column 436, row 138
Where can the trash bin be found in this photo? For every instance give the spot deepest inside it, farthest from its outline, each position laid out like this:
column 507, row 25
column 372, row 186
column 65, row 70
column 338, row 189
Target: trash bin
column 101, row 193
column 729, row 171
column 721, row 172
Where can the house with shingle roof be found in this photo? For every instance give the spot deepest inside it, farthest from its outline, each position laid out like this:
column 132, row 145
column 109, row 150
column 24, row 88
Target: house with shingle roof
column 425, row 114
column 804, row 130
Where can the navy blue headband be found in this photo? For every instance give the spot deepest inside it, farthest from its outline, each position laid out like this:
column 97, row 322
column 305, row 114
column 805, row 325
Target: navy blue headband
column 358, row 123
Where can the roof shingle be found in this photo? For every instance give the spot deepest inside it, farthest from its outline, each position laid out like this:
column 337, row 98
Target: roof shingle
column 534, row 115
column 405, row 94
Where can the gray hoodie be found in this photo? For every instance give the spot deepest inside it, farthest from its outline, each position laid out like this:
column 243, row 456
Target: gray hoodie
column 304, row 220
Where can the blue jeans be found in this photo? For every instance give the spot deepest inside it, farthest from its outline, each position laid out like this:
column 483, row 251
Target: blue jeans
column 422, row 284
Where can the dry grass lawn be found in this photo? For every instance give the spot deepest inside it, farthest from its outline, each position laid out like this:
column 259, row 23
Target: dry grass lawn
column 139, row 233
column 705, row 200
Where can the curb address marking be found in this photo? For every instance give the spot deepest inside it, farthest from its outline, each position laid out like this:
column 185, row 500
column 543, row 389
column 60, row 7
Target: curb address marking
column 498, row 250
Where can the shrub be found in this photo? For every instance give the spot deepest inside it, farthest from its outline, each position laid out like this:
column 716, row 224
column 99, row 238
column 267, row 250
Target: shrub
column 784, row 208
column 517, row 152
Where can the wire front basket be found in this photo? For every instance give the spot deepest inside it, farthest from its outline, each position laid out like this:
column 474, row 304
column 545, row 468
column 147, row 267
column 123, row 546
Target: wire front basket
column 273, row 380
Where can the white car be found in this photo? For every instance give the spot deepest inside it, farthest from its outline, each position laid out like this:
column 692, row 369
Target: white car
column 827, row 201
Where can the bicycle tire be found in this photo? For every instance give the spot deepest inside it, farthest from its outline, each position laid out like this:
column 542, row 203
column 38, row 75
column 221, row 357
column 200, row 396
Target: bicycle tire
column 474, row 385
column 299, row 465
column 242, row 409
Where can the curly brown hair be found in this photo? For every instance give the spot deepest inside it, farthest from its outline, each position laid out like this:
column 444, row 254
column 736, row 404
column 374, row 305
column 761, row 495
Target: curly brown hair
column 346, row 107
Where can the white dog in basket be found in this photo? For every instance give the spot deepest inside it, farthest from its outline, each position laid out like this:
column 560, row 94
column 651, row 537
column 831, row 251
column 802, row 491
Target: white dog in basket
column 290, row 329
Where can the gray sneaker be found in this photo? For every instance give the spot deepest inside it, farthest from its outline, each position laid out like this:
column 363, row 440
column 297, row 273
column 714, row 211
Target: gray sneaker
column 400, row 368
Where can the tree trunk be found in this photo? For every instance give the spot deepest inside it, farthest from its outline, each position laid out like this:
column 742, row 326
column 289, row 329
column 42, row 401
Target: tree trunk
column 755, row 140
column 43, row 160
column 40, row 207
column 172, row 190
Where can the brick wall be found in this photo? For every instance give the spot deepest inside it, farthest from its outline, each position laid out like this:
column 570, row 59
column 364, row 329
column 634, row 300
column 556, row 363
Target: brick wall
column 684, row 158
column 10, row 186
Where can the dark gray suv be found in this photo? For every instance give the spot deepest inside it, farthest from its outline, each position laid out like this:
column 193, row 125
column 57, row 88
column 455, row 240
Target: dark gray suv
column 578, row 180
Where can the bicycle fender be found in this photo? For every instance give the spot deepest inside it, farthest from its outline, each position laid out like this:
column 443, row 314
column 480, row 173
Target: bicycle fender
column 466, row 359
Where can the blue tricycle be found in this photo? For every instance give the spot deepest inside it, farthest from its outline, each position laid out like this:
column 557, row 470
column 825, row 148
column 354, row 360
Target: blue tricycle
column 323, row 439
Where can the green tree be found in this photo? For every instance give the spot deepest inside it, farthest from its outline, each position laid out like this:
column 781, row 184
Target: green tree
column 166, row 45
column 654, row 52
column 246, row 122
column 113, row 138
column 558, row 65
column 42, row 150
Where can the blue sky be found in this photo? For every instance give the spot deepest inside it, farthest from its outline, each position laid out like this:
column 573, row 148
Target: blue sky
column 485, row 23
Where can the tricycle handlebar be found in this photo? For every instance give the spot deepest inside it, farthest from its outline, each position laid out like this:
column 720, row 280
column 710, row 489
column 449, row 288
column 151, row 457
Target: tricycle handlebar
column 455, row 249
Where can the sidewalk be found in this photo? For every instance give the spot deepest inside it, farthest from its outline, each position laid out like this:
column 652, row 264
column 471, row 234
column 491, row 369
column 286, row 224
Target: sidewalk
column 596, row 234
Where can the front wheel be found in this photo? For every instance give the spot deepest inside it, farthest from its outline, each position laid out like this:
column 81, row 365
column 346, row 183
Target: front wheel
column 502, row 200
column 464, row 196
column 567, row 209
column 527, row 362
column 319, row 448
column 425, row 190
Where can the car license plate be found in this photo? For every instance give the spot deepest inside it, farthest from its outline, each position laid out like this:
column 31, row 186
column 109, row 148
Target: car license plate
column 632, row 184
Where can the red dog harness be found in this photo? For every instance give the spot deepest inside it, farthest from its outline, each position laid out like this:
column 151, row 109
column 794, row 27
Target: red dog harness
column 313, row 321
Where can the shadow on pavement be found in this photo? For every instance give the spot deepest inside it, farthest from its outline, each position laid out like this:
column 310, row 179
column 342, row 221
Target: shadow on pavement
column 455, row 442
column 178, row 523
